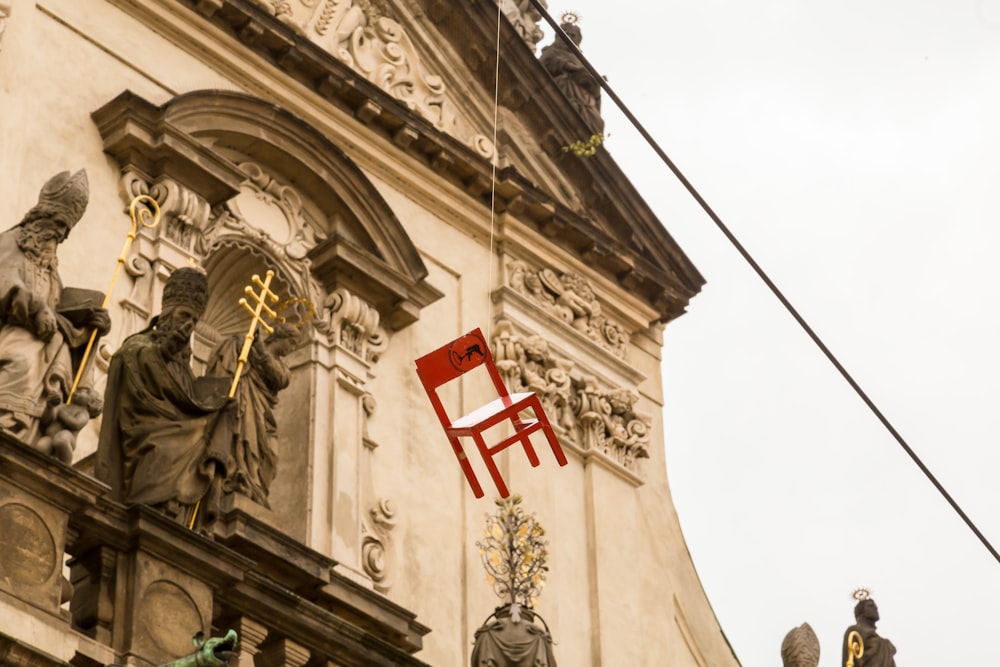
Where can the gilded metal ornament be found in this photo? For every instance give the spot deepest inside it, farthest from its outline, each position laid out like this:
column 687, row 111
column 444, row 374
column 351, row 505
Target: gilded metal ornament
column 143, row 210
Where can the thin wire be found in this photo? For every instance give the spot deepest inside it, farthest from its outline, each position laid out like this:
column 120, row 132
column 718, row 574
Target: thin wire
column 493, row 174
column 763, row 276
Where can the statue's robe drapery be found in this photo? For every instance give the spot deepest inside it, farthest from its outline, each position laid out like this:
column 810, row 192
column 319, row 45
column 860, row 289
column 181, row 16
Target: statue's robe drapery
column 504, row 643
column 879, row 651
column 255, row 448
column 30, row 368
column 574, row 80
column 162, row 430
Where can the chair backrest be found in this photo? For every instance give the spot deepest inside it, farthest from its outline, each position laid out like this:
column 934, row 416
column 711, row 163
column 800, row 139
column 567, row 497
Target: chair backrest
column 453, row 359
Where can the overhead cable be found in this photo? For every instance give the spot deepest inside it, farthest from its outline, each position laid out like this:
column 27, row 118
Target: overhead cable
column 560, row 34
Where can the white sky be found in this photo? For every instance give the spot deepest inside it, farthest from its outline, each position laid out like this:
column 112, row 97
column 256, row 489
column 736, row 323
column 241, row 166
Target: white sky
column 854, row 148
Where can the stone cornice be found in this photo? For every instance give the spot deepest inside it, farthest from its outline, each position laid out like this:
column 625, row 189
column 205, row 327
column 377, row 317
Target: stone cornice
column 531, row 91
column 642, row 256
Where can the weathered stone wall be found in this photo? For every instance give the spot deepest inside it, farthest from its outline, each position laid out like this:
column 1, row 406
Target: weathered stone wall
column 366, row 477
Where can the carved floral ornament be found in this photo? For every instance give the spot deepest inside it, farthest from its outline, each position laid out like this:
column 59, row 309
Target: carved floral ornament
column 591, row 416
column 525, row 19
column 361, row 34
column 570, row 298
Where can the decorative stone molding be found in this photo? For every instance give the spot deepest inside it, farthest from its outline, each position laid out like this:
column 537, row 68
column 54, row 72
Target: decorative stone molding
column 184, row 212
column 375, row 543
column 361, row 34
column 353, row 238
column 267, row 219
column 571, row 298
column 525, row 19
column 354, row 325
column 608, row 423
column 593, row 417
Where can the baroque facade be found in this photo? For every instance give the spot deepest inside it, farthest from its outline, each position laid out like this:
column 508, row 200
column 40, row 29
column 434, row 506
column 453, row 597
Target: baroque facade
column 348, row 146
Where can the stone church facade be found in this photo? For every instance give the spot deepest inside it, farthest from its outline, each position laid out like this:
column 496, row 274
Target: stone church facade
column 348, row 146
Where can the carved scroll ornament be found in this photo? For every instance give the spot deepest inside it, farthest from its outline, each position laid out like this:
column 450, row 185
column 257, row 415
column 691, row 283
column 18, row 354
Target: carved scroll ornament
column 354, row 325
column 376, row 529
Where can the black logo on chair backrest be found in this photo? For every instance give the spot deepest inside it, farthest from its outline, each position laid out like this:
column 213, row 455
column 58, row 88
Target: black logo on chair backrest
column 467, row 352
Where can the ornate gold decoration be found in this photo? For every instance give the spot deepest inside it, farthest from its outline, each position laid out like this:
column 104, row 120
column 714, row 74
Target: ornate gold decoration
column 292, row 305
column 569, row 17
column 143, row 211
column 258, row 313
column 513, row 552
column 855, row 646
column 861, row 593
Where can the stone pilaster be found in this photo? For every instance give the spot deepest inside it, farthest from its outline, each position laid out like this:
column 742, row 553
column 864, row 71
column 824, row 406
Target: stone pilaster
column 280, row 652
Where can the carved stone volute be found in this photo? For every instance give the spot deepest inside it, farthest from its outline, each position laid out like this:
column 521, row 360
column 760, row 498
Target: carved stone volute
column 354, row 325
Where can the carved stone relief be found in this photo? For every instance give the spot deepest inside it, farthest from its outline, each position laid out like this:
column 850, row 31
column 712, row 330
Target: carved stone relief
column 570, row 298
column 354, row 325
column 591, row 416
column 184, row 213
column 525, row 19
column 375, row 543
column 267, row 218
column 377, row 524
column 362, row 34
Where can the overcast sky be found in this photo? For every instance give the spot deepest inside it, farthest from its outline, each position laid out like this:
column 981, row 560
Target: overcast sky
column 854, row 148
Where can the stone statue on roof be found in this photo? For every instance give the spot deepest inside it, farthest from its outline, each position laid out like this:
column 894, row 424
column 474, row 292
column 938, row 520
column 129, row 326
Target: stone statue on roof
column 800, row 648
column 571, row 76
column 44, row 326
column 862, row 646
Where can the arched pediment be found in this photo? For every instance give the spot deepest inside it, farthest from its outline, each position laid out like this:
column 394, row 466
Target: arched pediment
column 203, row 141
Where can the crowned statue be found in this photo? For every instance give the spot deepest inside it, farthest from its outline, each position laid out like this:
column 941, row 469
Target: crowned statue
column 571, row 76
column 863, row 647
column 44, row 326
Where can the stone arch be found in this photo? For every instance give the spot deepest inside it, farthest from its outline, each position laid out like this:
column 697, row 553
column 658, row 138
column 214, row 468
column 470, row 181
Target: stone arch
column 245, row 186
column 202, row 141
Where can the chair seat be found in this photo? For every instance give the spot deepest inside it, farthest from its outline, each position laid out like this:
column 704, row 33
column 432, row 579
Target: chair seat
column 494, row 408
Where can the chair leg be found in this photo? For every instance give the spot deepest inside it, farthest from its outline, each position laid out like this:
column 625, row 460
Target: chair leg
column 520, row 427
column 550, row 435
column 529, row 449
column 491, row 465
column 463, row 461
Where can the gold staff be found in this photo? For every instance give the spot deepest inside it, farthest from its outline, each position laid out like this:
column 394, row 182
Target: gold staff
column 855, row 647
column 258, row 312
column 139, row 215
